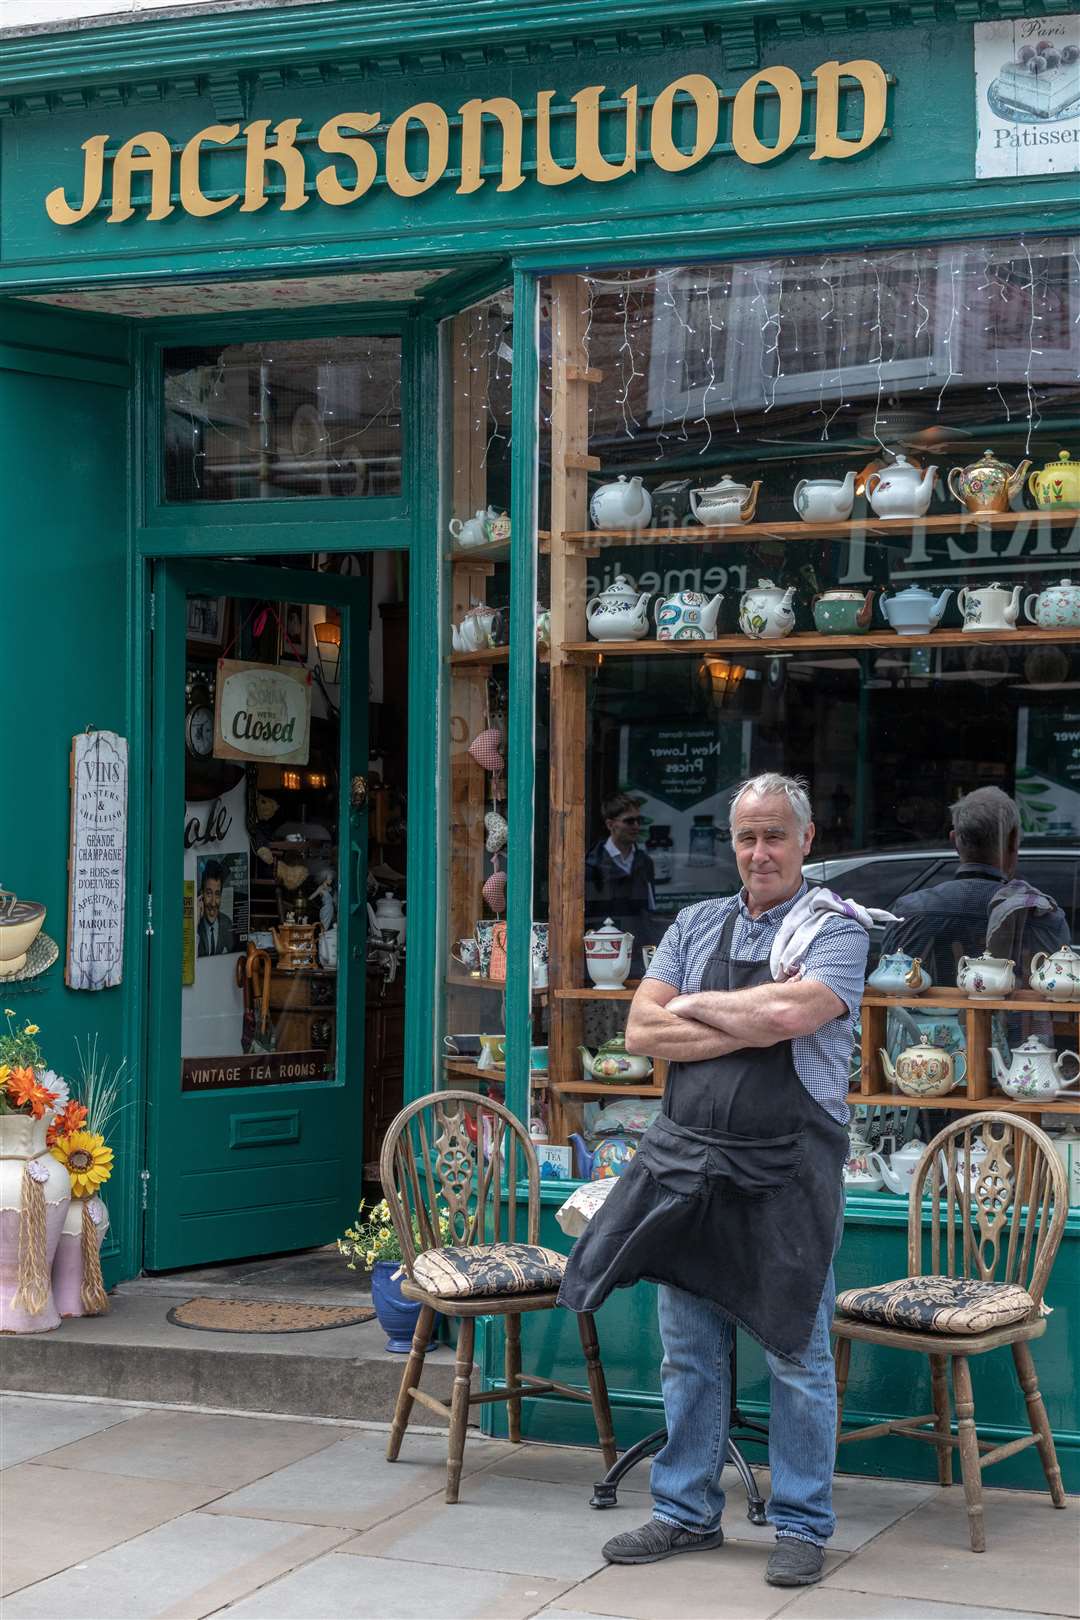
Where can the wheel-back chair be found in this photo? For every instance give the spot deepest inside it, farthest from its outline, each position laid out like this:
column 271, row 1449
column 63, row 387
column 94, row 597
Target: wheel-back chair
column 989, row 1240
column 450, row 1167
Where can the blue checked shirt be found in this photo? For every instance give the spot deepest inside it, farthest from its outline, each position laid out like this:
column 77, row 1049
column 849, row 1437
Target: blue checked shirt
column 837, row 958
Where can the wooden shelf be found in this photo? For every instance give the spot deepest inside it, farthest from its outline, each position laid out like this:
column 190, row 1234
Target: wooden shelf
column 476, row 981
column 942, row 996
column 594, row 1088
column 499, row 552
column 588, row 652
column 586, row 540
column 626, row 993
column 996, row 1102
column 480, row 660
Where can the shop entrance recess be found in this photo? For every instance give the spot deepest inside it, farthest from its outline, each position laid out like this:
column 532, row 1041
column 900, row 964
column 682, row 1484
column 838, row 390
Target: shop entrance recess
column 257, row 909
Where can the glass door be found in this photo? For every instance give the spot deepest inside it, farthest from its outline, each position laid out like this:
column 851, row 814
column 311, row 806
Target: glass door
column 258, row 910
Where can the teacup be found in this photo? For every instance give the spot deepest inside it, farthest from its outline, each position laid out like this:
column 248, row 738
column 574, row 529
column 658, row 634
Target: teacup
column 492, row 1052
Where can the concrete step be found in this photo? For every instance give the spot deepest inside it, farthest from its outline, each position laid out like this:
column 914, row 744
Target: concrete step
column 135, row 1354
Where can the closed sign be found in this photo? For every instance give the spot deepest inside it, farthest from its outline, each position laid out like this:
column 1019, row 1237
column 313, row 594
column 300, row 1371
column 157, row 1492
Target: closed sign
column 262, row 712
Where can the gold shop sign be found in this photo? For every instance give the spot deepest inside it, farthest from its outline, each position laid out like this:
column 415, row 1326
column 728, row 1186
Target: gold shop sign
column 280, row 157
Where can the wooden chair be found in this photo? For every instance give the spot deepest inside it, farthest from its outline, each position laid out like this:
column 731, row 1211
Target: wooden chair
column 999, row 1221
column 459, row 1156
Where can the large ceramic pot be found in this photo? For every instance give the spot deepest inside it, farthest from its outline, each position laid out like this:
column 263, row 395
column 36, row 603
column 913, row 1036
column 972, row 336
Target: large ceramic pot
column 76, row 1267
column 397, row 1315
column 35, row 1191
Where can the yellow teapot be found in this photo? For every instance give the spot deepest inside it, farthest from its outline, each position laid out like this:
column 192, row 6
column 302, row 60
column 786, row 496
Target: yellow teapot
column 1058, row 484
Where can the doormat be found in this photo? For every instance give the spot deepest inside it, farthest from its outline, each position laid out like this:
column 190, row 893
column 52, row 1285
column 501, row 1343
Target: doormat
column 264, row 1316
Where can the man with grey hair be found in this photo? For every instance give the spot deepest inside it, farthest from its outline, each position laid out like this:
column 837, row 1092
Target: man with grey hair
column 734, row 1201
column 948, row 920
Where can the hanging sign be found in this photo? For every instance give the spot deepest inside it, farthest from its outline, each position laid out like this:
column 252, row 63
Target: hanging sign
column 97, row 861
column 1027, row 96
column 262, row 712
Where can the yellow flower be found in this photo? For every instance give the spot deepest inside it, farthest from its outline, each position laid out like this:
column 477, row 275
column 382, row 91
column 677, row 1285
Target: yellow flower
column 32, row 1029
column 5, row 1071
column 9, row 1012
column 88, row 1161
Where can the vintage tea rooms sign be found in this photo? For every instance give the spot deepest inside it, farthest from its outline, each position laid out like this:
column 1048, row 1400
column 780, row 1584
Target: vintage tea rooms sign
column 364, row 149
column 262, row 712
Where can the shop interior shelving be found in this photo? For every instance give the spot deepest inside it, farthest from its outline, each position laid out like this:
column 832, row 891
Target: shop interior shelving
column 591, row 652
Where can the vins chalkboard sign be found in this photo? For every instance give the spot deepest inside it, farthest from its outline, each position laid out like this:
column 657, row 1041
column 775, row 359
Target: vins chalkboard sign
column 97, row 861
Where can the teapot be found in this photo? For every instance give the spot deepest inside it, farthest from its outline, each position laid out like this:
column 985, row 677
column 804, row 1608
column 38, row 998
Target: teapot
column 985, row 976
column 609, row 1158
column 825, row 500
column 623, row 504
column 686, row 616
column 1058, row 484
column 899, row 1171
column 620, row 613
column 1035, row 1070
column 987, row 485
column 843, row 613
column 923, row 1070
column 607, row 955
column 898, row 974
column 1057, row 975
column 476, row 629
column 901, row 491
column 497, row 527
column 765, row 612
column 473, row 531
column 990, row 607
column 913, row 612
column 725, row 502
column 390, row 917
column 1056, row 608
column 858, row 1171
column 613, row 1062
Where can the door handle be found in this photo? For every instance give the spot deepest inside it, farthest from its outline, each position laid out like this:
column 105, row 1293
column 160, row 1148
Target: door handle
column 358, row 792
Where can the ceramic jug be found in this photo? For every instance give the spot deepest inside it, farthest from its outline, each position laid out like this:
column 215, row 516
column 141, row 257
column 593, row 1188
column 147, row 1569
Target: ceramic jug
column 1057, row 975
column 990, row 607
column 843, row 613
column 987, row 485
column 901, row 491
column 613, row 1062
column 923, row 1070
column 1034, row 1070
column 1058, row 484
column 1057, row 607
column 913, row 612
column 825, row 500
column 619, row 613
column 765, row 612
column 985, row 977
column 607, row 955
column 725, row 503
column 623, row 504
column 686, row 616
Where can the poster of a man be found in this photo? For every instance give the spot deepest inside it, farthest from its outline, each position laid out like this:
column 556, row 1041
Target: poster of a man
column 216, row 933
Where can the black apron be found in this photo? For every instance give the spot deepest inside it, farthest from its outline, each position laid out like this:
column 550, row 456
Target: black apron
column 715, row 1201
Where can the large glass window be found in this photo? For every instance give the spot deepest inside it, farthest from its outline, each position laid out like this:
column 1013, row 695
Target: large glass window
column 263, row 421
column 811, row 515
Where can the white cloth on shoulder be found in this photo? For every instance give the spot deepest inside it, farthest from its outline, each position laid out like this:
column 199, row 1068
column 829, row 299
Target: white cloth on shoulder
column 805, row 921
column 1017, row 896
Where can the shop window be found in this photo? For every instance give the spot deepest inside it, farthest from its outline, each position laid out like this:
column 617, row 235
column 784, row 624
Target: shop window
column 803, row 381
column 314, row 417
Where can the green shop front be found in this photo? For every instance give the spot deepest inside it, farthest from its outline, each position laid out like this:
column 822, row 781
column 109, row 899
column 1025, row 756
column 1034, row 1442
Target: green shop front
column 400, row 415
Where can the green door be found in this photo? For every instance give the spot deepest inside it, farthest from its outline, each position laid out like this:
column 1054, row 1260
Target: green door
column 258, row 912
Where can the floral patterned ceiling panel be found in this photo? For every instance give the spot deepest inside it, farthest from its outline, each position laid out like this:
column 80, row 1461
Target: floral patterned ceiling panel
column 221, row 297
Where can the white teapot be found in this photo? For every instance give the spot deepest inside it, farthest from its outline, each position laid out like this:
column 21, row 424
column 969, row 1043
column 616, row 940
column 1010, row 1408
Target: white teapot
column 473, row 531
column 725, row 502
column 765, row 612
column 390, row 917
column 623, row 504
column 620, row 613
column 825, row 500
column 1057, row 975
column 473, row 634
column 985, row 976
column 686, row 616
column 898, row 1172
column 607, row 955
column 1034, row 1071
column 991, row 607
column 901, row 491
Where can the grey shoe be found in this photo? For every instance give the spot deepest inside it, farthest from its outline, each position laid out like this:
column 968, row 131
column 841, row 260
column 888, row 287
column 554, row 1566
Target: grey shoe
column 794, row 1563
column 656, row 1540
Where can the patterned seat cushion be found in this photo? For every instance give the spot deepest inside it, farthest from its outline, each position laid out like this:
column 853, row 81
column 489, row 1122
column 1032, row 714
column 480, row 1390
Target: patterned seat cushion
column 488, row 1268
column 938, row 1304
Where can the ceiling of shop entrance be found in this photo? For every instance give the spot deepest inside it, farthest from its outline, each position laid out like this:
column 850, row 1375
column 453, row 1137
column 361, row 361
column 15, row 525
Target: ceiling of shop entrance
column 151, row 301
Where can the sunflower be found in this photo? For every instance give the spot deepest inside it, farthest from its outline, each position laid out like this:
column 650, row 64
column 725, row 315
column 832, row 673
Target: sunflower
column 27, row 1094
column 88, row 1161
column 72, row 1117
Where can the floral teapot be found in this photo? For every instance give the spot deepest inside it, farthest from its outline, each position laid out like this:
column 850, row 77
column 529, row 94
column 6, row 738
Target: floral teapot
column 923, row 1070
column 987, row 485
column 613, row 1062
column 990, row 607
column 1035, row 1070
column 1056, row 607
column 858, row 1171
column 1057, row 976
column 623, row 504
column 725, row 502
column 621, row 613
column 902, row 490
column 899, row 974
column 985, row 976
column 765, row 612
column 898, row 1171
column 1058, row 484
column 686, row 616
column 607, row 955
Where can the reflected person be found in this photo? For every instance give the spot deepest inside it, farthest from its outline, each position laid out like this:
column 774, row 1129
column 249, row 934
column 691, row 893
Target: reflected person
column 619, row 876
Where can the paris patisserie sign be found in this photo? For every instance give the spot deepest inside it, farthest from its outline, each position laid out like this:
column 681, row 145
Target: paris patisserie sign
column 282, row 167
column 1027, row 90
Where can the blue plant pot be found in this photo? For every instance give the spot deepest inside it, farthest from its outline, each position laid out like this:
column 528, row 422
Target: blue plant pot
column 397, row 1315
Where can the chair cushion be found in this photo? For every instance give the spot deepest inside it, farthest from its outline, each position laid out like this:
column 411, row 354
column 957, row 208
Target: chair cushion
column 488, row 1268
column 938, row 1304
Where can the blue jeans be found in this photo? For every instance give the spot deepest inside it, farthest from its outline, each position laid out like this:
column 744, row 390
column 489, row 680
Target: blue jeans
column 696, row 1381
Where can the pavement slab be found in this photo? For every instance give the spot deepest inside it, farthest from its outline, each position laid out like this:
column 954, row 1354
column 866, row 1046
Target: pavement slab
column 196, row 1448
column 834, row 1604
column 350, row 1588
column 30, row 1427
column 351, row 1484
column 727, row 1583
column 180, row 1571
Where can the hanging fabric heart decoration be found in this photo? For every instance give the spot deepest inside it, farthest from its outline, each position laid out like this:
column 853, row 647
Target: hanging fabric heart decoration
column 494, row 892
column 486, row 749
column 497, row 832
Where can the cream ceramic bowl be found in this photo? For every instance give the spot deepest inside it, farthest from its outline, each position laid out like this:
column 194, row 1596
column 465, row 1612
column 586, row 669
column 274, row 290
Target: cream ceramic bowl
column 18, row 931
